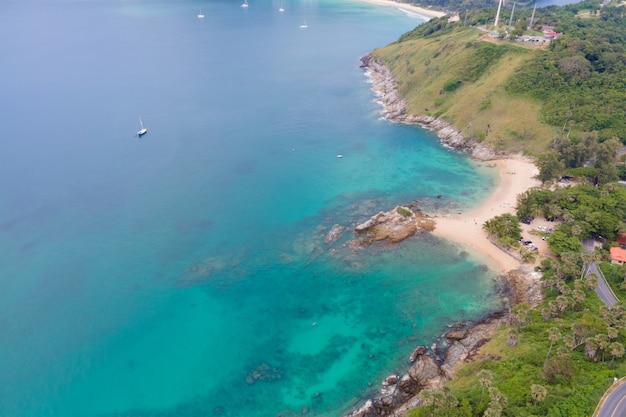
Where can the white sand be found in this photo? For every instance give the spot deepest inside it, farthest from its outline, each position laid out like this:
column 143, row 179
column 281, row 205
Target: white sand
column 516, row 176
column 408, row 7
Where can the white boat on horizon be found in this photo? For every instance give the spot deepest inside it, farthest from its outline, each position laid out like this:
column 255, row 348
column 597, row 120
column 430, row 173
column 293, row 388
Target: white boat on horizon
column 245, row 4
column 200, row 15
column 143, row 130
column 304, row 25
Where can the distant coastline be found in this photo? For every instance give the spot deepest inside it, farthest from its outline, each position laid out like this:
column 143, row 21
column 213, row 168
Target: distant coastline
column 428, row 13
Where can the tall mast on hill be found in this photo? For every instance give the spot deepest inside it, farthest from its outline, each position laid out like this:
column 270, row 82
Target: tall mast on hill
column 512, row 11
column 532, row 18
column 498, row 14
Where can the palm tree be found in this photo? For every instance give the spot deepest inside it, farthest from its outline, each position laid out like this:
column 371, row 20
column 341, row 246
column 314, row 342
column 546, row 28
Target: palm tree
column 569, row 341
column 485, row 379
column 491, row 226
column 587, row 258
column 592, row 281
column 498, row 399
column 554, row 335
column 578, row 296
column 492, row 411
column 603, row 343
column 449, row 400
column 617, row 351
column 519, row 314
column 591, row 348
column 579, row 333
column 538, row 393
column 553, row 211
column 512, row 337
column 562, row 302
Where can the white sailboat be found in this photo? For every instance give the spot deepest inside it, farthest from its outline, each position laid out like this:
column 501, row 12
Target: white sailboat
column 304, row 25
column 143, row 130
column 200, row 15
column 245, row 4
column 281, row 8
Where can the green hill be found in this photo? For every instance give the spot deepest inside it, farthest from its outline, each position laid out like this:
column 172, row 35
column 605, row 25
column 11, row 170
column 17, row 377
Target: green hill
column 518, row 96
column 460, row 77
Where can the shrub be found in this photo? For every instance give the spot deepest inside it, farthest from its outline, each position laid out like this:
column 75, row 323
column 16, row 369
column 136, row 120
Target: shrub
column 451, row 85
column 404, row 211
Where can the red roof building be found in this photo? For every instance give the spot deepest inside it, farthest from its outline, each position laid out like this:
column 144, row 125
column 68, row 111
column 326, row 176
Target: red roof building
column 618, row 255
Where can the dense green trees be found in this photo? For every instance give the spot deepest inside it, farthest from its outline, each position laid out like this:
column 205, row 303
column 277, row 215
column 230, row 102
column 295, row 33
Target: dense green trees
column 505, row 229
column 584, row 210
column 580, row 78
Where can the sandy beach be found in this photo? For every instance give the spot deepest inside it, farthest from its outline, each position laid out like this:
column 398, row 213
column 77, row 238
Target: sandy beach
column 516, row 176
column 408, row 7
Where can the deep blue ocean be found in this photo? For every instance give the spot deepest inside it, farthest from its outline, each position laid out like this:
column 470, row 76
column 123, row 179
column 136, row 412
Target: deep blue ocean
column 186, row 272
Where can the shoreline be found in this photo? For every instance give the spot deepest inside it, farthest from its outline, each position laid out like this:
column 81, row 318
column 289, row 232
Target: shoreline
column 406, row 7
column 516, row 176
column 516, row 173
column 399, row 394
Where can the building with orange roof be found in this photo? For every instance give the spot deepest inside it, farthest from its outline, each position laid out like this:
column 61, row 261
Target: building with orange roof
column 618, row 255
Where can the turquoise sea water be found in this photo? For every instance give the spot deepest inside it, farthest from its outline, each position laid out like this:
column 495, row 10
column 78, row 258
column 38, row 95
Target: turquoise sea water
column 153, row 276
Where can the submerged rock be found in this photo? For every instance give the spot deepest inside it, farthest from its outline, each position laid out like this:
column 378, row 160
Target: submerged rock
column 263, row 372
column 335, row 233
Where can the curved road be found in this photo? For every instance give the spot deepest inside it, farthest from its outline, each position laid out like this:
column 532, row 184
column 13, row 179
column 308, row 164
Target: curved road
column 603, row 290
column 613, row 403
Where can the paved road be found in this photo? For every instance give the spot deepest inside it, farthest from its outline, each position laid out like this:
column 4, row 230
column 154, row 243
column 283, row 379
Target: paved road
column 603, row 290
column 614, row 404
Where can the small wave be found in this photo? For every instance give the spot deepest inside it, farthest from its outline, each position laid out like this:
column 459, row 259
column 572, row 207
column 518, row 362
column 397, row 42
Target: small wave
column 414, row 15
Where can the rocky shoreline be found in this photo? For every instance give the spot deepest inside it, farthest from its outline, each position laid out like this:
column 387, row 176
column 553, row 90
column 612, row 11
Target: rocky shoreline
column 432, row 366
column 395, row 110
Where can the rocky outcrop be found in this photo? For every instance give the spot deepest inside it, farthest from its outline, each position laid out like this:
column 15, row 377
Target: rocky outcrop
column 394, row 225
column 430, row 370
column 395, row 109
column 524, row 286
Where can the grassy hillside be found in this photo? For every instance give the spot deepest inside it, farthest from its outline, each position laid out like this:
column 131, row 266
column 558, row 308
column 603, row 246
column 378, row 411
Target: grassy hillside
column 520, row 96
column 460, row 76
